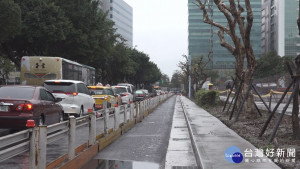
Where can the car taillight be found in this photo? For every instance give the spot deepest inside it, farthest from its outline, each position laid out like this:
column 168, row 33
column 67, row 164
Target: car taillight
column 71, row 93
column 22, row 107
column 140, row 95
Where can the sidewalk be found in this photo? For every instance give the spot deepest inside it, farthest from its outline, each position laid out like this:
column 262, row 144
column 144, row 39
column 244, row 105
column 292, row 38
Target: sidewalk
column 212, row 138
column 261, row 105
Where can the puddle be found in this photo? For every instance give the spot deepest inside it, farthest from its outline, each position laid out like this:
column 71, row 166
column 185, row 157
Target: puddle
column 116, row 164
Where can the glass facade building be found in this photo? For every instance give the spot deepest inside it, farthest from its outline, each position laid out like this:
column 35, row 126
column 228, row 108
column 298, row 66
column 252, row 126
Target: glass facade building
column 121, row 13
column 279, row 27
column 202, row 37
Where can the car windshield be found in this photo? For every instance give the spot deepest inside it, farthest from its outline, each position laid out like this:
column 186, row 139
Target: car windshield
column 56, row 87
column 139, row 92
column 122, row 90
column 116, row 90
column 16, row 92
column 96, row 91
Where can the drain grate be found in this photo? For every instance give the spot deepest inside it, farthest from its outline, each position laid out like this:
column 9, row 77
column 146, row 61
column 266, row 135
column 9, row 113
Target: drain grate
column 184, row 167
column 178, row 139
column 180, row 126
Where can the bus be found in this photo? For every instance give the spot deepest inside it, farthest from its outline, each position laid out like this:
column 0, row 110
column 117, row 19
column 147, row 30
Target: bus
column 36, row 69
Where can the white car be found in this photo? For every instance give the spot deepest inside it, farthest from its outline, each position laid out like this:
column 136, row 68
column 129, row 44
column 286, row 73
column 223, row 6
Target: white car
column 131, row 88
column 76, row 98
column 125, row 94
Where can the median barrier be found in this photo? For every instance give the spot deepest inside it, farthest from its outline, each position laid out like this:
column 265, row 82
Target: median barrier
column 35, row 139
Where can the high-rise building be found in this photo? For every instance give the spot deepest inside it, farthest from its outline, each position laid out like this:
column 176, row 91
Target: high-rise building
column 279, row 27
column 203, row 37
column 121, row 13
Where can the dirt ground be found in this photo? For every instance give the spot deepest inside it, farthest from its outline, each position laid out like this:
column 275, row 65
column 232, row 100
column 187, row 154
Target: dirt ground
column 250, row 129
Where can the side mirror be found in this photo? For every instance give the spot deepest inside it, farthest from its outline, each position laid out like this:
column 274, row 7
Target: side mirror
column 58, row 99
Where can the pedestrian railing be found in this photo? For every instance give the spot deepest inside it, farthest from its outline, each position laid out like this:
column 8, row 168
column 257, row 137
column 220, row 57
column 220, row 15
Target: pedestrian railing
column 35, row 139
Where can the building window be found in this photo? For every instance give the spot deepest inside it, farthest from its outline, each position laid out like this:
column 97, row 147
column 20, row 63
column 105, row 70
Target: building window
column 111, row 1
column 111, row 16
column 111, row 8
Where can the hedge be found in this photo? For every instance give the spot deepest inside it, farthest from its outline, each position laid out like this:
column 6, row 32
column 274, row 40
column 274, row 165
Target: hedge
column 206, row 97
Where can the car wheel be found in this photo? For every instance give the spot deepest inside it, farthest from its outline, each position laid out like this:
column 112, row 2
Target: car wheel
column 41, row 121
column 61, row 117
column 81, row 112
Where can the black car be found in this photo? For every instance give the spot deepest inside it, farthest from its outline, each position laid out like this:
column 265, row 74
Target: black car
column 140, row 95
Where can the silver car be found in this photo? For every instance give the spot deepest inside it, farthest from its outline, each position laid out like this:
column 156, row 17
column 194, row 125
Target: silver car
column 76, row 98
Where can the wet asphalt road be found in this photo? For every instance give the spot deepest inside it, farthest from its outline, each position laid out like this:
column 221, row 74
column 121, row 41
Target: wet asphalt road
column 57, row 148
column 147, row 141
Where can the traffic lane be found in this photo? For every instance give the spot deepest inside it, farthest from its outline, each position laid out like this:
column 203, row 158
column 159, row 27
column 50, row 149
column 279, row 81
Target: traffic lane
column 147, row 141
column 55, row 149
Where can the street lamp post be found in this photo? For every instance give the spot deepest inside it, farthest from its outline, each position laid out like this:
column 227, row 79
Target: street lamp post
column 190, row 63
column 298, row 20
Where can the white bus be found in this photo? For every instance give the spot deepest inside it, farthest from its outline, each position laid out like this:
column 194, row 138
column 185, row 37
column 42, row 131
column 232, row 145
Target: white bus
column 36, row 69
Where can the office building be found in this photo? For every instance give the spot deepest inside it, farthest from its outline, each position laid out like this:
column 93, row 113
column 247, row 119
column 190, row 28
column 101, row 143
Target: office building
column 121, row 13
column 279, row 27
column 202, row 37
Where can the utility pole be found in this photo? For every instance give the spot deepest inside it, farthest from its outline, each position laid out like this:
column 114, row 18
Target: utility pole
column 190, row 64
column 298, row 20
column 211, row 12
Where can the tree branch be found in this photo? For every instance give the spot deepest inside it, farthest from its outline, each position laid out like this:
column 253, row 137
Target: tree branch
column 207, row 20
column 224, row 43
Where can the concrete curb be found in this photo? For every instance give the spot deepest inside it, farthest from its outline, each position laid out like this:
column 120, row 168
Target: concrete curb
column 195, row 148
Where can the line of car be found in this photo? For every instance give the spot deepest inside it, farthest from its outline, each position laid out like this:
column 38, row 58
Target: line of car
column 56, row 100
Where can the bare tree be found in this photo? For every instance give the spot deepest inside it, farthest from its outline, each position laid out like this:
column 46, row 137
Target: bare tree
column 185, row 72
column 198, row 71
column 241, row 48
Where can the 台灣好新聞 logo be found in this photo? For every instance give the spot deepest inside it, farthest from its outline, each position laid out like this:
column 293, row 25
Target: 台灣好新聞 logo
column 233, row 154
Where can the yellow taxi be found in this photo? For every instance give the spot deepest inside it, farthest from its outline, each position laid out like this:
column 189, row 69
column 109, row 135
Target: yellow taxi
column 101, row 93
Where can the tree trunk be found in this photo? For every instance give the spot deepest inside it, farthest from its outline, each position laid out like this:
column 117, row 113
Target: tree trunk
column 295, row 112
column 248, row 110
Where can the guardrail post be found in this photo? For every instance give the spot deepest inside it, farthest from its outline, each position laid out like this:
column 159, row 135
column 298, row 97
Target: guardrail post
column 143, row 108
column 42, row 147
column 125, row 113
column 38, row 148
column 72, row 136
column 92, row 129
column 131, row 111
column 32, row 148
column 116, row 118
column 105, row 115
column 145, row 105
column 137, row 111
column 148, row 104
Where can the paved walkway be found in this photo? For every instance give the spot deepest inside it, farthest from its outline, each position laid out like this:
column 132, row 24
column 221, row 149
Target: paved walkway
column 261, row 106
column 211, row 139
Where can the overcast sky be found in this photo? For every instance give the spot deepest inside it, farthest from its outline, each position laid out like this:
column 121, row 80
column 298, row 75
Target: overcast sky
column 160, row 29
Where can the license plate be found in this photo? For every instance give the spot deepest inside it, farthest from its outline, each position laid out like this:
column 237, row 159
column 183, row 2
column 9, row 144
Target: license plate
column 3, row 108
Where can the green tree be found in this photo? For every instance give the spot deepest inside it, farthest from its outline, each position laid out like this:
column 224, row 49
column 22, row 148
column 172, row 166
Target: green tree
column 10, row 19
column 269, row 64
column 5, row 68
column 43, row 24
column 146, row 71
column 164, row 81
column 272, row 65
column 176, row 80
column 92, row 36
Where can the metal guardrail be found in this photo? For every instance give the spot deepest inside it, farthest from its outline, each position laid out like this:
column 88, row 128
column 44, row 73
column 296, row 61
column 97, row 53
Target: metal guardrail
column 35, row 139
